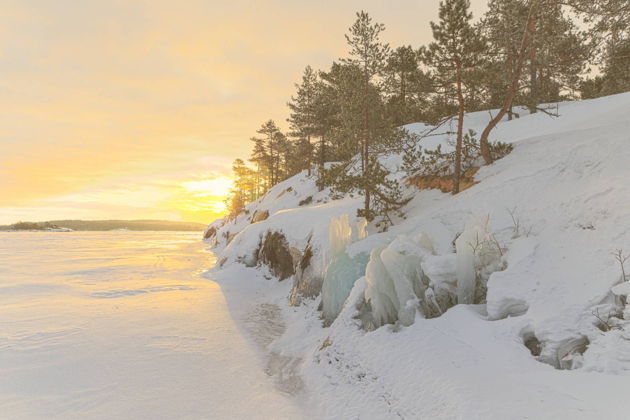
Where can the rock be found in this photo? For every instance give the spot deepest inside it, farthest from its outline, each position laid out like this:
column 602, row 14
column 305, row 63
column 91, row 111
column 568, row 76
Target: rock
column 209, row 234
column 260, row 215
column 275, row 252
column 308, row 280
column 308, row 200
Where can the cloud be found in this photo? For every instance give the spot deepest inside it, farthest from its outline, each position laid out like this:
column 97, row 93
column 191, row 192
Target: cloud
column 97, row 92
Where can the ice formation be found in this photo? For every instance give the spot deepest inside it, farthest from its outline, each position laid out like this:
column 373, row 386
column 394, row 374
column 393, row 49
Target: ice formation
column 339, row 234
column 341, row 274
column 467, row 246
column 343, row 270
column 380, row 292
column 360, row 231
column 394, row 282
column 424, row 241
column 406, row 273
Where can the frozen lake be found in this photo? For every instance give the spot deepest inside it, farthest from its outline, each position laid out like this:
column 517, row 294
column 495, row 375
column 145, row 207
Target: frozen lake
column 120, row 325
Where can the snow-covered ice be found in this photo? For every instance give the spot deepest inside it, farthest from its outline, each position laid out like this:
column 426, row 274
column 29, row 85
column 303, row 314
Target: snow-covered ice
column 120, row 325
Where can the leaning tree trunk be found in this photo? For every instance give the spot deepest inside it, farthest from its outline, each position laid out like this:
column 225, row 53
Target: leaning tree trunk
column 524, row 53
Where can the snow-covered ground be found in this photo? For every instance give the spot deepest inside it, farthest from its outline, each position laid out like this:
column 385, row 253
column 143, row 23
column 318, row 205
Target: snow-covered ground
column 550, row 341
column 120, row 325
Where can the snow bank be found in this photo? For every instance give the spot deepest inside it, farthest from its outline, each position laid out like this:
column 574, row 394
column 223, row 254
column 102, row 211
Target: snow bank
column 550, row 295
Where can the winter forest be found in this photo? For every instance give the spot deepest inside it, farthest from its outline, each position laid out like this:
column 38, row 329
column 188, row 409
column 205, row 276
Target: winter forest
column 518, row 58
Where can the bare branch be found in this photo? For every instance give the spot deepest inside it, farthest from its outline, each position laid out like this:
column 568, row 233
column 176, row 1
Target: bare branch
column 621, row 259
column 605, row 324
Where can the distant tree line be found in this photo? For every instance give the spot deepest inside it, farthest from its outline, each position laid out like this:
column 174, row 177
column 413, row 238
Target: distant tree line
column 30, row 226
column 519, row 55
column 104, row 225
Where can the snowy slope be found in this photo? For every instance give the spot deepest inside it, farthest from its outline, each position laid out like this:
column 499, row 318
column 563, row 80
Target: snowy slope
column 567, row 185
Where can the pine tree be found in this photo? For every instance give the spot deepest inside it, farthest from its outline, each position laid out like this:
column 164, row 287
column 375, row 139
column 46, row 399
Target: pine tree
column 244, row 180
column 615, row 77
column 455, row 56
column 301, row 154
column 261, row 159
column 243, row 191
column 361, row 129
column 303, row 119
column 272, row 143
column 557, row 53
column 326, row 113
column 368, row 54
column 339, row 102
column 502, row 25
column 525, row 52
column 346, row 96
column 609, row 20
column 285, row 154
column 405, row 86
column 616, row 71
column 346, row 87
column 558, row 58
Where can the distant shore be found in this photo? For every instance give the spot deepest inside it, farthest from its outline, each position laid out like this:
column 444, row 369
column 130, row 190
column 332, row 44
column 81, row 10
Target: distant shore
column 103, row 225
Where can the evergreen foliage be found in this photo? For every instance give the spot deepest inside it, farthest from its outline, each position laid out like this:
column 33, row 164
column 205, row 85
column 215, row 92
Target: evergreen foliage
column 344, row 119
column 455, row 57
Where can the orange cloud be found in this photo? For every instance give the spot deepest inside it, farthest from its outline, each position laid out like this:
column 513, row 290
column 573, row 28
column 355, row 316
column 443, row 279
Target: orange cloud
column 100, row 99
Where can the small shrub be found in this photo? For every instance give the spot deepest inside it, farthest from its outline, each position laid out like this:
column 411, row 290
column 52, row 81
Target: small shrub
column 433, row 169
column 308, row 200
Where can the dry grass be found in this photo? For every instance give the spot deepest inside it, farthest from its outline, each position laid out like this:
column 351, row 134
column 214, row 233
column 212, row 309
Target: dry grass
column 444, row 183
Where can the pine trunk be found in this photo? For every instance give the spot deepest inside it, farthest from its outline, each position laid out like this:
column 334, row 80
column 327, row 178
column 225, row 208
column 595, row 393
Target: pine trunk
column 533, row 80
column 310, row 159
column 526, row 41
column 272, row 164
column 460, row 132
column 365, row 151
column 403, row 89
column 322, row 157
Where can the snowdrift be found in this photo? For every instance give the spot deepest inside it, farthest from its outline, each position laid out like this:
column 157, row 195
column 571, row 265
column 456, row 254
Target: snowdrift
column 541, row 329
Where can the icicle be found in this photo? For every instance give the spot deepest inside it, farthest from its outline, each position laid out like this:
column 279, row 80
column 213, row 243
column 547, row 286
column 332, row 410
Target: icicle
column 466, row 247
column 360, row 231
column 343, row 270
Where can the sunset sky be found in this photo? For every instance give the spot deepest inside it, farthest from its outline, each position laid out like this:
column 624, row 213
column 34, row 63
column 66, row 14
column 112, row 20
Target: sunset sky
column 136, row 109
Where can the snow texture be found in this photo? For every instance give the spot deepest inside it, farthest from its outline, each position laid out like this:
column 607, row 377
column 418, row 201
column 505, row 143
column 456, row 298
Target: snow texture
column 120, row 325
column 544, row 334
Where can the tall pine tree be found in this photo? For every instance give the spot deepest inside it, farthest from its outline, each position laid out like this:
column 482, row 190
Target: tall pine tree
column 406, row 86
column 302, row 118
column 455, row 57
column 368, row 54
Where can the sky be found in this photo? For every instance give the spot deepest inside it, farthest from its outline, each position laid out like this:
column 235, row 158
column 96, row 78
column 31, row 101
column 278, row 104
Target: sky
column 113, row 109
